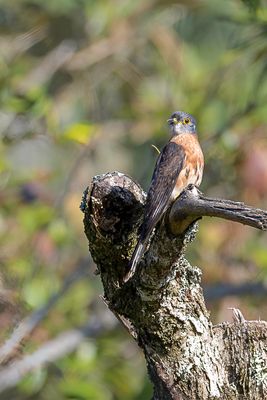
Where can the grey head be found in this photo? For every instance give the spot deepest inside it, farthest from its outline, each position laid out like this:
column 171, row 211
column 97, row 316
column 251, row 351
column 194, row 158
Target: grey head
column 181, row 122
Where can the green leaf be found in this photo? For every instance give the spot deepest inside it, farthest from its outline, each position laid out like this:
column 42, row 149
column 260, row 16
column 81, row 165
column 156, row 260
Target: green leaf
column 253, row 5
column 37, row 291
column 79, row 388
column 34, row 382
column 80, row 132
column 35, row 216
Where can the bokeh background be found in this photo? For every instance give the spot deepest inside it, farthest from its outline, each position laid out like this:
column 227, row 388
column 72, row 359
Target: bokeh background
column 86, row 87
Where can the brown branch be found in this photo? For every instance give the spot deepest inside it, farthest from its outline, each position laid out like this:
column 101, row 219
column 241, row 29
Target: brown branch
column 163, row 306
column 194, row 205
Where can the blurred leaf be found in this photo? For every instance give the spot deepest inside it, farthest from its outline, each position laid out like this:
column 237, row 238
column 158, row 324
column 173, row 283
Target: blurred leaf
column 16, row 104
column 85, row 390
column 33, row 382
column 35, row 216
column 252, row 4
column 3, row 165
column 80, row 132
column 37, row 291
column 19, row 268
column 75, row 305
column 59, row 231
column 86, row 352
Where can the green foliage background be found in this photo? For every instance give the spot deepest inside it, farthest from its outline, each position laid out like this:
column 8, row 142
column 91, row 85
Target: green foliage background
column 86, row 88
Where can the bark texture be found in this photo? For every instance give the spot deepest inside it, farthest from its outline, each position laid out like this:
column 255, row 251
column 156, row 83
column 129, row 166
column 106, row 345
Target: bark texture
column 163, row 306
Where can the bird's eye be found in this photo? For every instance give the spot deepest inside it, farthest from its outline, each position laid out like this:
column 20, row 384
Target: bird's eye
column 186, row 121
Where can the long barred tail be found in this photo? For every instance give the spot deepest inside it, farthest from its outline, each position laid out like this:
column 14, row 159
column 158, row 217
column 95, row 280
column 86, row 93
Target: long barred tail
column 137, row 254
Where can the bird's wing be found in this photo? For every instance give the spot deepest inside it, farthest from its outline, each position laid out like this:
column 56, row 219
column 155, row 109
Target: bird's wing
column 167, row 169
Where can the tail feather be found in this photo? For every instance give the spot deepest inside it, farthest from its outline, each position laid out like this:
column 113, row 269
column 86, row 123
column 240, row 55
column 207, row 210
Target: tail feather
column 137, row 254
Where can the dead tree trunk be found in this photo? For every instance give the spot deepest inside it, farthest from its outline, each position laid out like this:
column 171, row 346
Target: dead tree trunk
column 163, row 306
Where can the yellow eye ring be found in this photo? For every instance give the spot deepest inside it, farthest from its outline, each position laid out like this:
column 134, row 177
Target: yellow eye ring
column 186, row 121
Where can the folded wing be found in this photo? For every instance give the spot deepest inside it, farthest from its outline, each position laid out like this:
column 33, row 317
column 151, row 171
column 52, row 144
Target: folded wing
column 167, row 169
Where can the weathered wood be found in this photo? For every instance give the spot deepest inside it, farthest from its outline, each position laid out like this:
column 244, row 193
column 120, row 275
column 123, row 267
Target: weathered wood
column 162, row 306
column 192, row 205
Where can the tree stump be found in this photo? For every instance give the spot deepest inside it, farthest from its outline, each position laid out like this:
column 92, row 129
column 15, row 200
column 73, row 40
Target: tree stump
column 163, row 306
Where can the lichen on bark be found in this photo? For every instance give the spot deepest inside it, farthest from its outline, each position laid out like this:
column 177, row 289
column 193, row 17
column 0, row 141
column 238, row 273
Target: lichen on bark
column 163, row 306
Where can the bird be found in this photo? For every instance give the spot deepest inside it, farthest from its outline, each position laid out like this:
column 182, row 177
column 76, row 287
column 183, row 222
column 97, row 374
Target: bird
column 180, row 163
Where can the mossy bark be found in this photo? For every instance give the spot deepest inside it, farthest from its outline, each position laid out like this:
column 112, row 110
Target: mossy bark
column 163, row 306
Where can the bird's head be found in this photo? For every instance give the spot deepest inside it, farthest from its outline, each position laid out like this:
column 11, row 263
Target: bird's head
column 182, row 122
